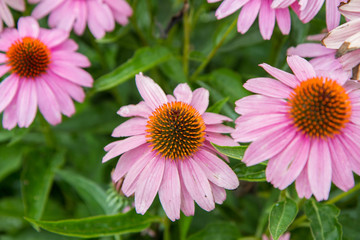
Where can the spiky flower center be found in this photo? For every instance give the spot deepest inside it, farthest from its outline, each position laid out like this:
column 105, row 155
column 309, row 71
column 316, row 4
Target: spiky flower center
column 175, row 130
column 28, row 57
column 320, row 107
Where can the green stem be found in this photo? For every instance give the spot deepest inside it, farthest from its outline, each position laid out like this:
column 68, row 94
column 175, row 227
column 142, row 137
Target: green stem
column 136, row 26
column 167, row 235
column 187, row 29
column 48, row 134
column 212, row 53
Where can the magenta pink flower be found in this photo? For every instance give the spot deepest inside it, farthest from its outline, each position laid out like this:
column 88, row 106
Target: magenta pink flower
column 285, row 236
column 99, row 15
column 44, row 70
column 306, row 125
column 168, row 150
column 5, row 13
column 250, row 10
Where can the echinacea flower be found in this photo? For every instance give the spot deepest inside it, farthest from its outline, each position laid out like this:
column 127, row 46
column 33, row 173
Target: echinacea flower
column 285, row 236
column 306, row 124
column 249, row 11
column 168, row 150
column 5, row 13
column 98, row 15
column 44, row 71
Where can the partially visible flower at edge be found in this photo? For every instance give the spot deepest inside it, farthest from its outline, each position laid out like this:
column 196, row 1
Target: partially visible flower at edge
column 250, row 10
column 5, row 13
column 168, row 150
column 285, row 236
column 99, row 16
column 45, row 72
column 307, row 124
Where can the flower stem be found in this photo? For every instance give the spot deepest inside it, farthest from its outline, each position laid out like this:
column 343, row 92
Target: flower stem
column 212, row 53
column 344, row 194
column 187, row 29
column 167, row 223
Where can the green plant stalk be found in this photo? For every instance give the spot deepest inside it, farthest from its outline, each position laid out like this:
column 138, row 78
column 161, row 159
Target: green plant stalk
column 298, row 222
column 213, row 52
column 187, row 29
column 167, row 223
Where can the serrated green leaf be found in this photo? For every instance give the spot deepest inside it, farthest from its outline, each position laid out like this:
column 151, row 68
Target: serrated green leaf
column 323, row 220
column 10, row 160
column 233, row 152
column 36, row 180
column 218, row 105
column 250, row 174
column 98, row 226
column 143, row 59
column 93, row 195
column 281, row 216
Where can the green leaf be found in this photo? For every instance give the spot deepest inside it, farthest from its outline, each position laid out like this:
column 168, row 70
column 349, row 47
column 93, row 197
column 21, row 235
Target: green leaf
column 323, row 220
column 173, row 69
column 233, row 152
column 10, row 160
column 98, row 226
column 217, row 231
column 11, row 214
column 93, row 195
column 36, row 180
column 218, row 105
column 282, row 215
column 250, row 174
column 143, row 59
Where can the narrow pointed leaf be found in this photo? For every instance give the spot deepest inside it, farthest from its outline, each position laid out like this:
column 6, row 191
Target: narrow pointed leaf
column 281, row 216
column 92, row 227
column 250, row 174
column 233, row 152
column 324, row 222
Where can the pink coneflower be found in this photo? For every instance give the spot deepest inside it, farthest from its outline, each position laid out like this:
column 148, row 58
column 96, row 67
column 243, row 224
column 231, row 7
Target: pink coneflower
column 285, row 236
column 168, row 150
column 5, row 13
column 99, row 15
column 306, row 124
column 250, row 10
column 307, row 10
column 44, row 70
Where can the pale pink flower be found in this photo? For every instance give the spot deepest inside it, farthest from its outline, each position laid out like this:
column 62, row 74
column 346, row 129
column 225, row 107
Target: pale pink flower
column 306, row 124
column 45, row 72
column 285, row 236
column 98, row 15
column 307, row 10
column 168, row 150
column 322, row 59
column 5, row 13
column 249, row 11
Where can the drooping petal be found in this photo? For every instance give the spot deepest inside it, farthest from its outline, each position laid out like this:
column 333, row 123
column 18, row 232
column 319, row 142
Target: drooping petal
column 220, row 139
column 248, row 15
column 258, row 104
column 266, row 19
column 8, row 89
column 283, row 20
column 139, row 110
column 219, row 193
column 131, row 127
column 268, row 87
column 228, row 7
column 187, row 205
column 214, row 118
column 26, row 102
column 302, row 184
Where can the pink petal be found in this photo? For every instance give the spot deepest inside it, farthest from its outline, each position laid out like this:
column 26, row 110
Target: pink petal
column 266, row 19
column 26, row 102
column 45, row 7
column 220, row 139
column 319, row 169
column 336, row 37
column 124, row 146
column 258, row 104
column 152, row 93
column 268, row 146
column 302, row 184
column 214, row 118
column 52, row 38
column 120, row 6
column 284, row 77
column 102, row 14
column 216, row 170
column 134, row 126
column 268, row 87
column 311, row 9
column 310, row 50
column 187, row 203
column 129, row 159
column 6, row 14
column 8, row 89
column 148, row 184
column 139, row 110
column 170, row 191
column 18, row 5
column 228, row 7
column 28, row 27
column 197, row 184
column 132, row 177
column 8, row 37
column 282, row 3
column 10, row 117
column 283, row 19
column 81, row 12
column 219, row 193
column 248, row 15
column 200, row 100
column 74, row 58
column 72, row 73
column 4, row 68
column 332, row 14
column 302, row 69
column 219, row 128
column 56, row 18
column 183, row 93
column 67, row 45
column 48, row 104
column 342, row 175
column 286, row 166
